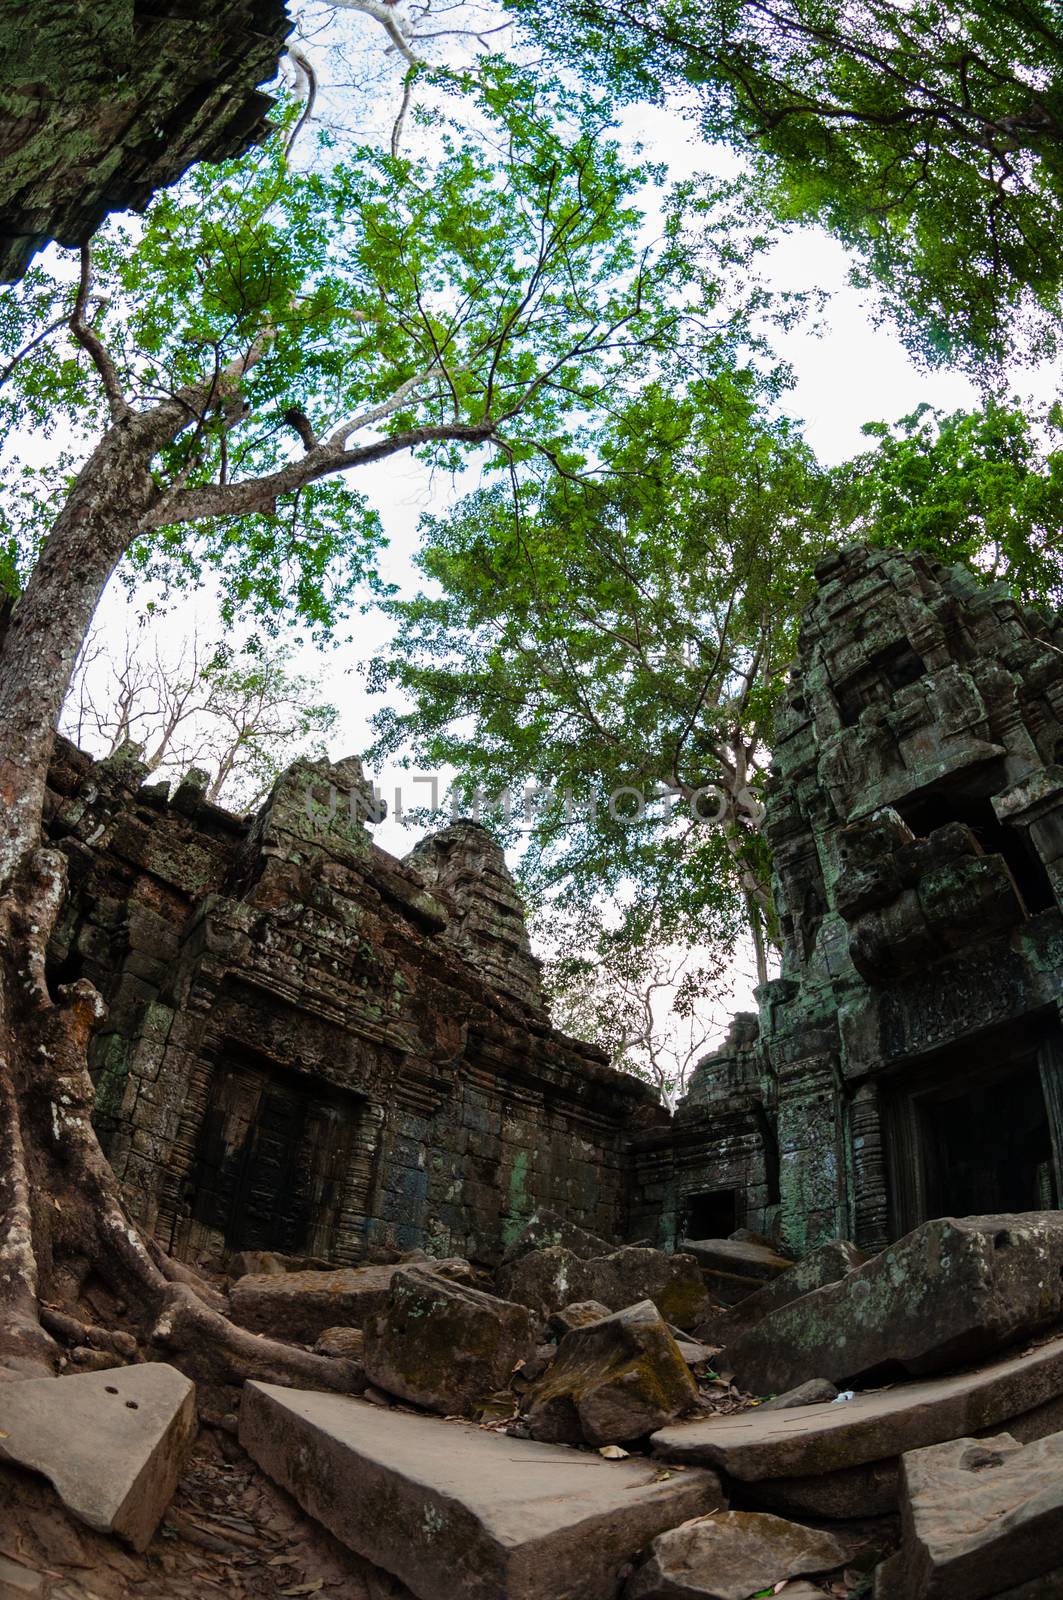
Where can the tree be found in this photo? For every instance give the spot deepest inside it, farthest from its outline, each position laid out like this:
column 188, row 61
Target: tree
column 616, row 638
column 262, row 333
column 926, row 135
column 982, row 487
column 651, row 1008
column 240, row 717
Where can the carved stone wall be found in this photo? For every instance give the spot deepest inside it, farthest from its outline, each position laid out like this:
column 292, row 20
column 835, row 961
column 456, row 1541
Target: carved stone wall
column 909, row 1060
column 309, row 1046
column 106, row 101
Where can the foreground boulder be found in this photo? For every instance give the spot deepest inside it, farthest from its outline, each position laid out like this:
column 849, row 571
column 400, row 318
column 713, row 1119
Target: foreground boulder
column 113, row 1444
column 979, row 1518
column 547, row 1280
column 455, row 1510
column 953, row 1291
column 613, row 1380
column 730, row 1556
column 443, row 1345
column 300, row 1305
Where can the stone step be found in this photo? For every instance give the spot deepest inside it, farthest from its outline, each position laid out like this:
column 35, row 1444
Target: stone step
column 456, row 1510
column 874, row 1428
column 113, row 1444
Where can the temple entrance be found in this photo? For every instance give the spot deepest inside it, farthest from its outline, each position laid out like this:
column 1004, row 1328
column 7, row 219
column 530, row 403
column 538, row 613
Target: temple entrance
column 272, row 1160
column 709, row 1216
column 969, row 1130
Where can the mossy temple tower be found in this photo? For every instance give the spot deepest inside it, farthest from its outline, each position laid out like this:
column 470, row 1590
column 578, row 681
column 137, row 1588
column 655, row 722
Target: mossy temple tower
column 908, row 1061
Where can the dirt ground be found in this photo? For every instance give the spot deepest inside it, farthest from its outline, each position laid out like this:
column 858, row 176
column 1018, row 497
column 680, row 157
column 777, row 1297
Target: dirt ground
column 229, row 1531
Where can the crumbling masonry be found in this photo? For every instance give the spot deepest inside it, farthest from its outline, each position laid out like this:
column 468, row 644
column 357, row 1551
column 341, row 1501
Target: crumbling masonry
column 314, row 1047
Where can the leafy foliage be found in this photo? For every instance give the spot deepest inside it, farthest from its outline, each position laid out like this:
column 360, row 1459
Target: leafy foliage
column 982, row 487
column 926, row 135
column 617, row 637
column 488, row 291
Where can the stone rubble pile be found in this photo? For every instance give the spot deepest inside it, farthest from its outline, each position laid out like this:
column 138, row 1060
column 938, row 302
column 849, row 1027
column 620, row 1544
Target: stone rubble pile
column 561, row 1447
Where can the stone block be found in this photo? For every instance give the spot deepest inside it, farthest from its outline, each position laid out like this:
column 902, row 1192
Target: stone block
column 978, row 1517
column 816, row 1441
column 454, row 1510
column 113, row 1444
column 444, row 1345
column 611, row 1381
column 730, row 1556
column 953, row 1291
column 301, row 1305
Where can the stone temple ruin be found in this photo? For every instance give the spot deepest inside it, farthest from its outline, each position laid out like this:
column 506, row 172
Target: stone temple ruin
column 908, row 1062
column 315, row 1048
column 833, row 1344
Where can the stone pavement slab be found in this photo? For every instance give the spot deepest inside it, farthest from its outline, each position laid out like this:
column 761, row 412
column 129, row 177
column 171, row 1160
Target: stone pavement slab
column 978, row 1516
column 875, row 1426
column 112, row 1443
column 457, row 1511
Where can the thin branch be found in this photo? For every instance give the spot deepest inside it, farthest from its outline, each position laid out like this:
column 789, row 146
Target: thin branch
column 89, row 340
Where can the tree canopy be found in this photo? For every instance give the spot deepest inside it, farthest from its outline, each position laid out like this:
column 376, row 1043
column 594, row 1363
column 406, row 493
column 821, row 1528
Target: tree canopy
column 926, row 135
column 616, row 638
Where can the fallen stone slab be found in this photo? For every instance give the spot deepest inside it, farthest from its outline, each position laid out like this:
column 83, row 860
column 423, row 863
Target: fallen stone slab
column 456, row 1511
column 113, row 1444
column 611, row 1381
column 443, row 1345
column 301, row 1305
column 828, row 1264
column 873, row 1428
column 978, row 1517
column 953, row 1291
column 730, row 1556
column 547, row 1229
column 547, row 1280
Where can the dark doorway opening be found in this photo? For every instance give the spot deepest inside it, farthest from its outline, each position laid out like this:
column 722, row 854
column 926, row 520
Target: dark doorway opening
column 968, row 1132
column 713, row 1215
column 272, row 1159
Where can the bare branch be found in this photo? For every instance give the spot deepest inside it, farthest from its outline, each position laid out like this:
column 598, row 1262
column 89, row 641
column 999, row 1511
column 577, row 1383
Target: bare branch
column 90, row 341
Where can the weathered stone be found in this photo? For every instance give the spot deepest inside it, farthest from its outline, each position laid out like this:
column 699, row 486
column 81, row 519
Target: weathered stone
column 816, row 1392
column 978, row 1517
column 546, row 1230
column 829, row 1263
column 731, row 1555
column 301, row 1305
column 546, row 1280
column 346, row 1342
column 612, row 1380
column 876, row 1427
column 109, row 103
column 376, row 1092
column 577, row 1315
column 953, row 1291
column 740, row 1256
column 443, row 1345
column 672, row 1282
column 113, row 1444
column 454, row 1510
column 465, row 866
column 915, row 822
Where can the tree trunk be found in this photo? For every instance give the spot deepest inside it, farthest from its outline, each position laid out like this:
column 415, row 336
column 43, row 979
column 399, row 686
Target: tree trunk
column 62, row 1222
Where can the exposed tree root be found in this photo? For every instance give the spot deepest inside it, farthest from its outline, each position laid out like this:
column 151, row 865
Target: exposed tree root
column 62, row 1219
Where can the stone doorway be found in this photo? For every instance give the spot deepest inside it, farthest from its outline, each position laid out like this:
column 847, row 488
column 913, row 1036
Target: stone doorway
column 973, row 1129
column 273, row 1161
column 713, row 1215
